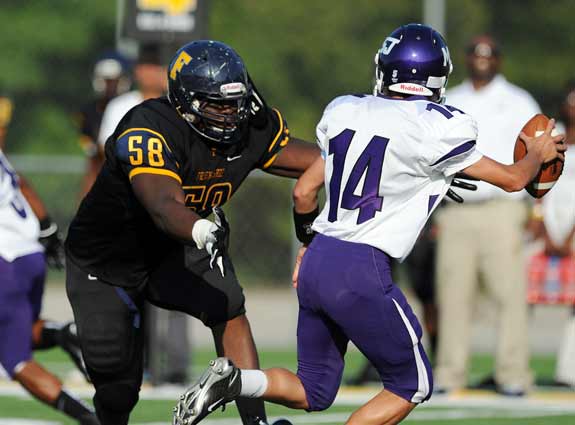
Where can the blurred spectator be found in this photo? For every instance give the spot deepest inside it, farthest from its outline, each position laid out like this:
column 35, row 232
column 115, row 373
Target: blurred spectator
column 554, row 223
column 483, row 237
column 166, row 329
column 151, row 81
column 111, row 77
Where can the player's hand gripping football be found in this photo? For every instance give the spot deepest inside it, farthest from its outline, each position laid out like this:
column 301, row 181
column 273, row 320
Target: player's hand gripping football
column 458, row 182
column 213, row 236
column 546, row 146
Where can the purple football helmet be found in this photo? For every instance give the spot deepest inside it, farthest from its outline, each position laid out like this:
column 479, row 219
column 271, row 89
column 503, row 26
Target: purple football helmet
column 413, row 59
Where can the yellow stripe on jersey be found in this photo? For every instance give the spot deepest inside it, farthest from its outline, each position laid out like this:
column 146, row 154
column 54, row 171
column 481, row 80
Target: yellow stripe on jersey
column 150, row 170
column 280, row 132
column 149, row 131
column 270, row 161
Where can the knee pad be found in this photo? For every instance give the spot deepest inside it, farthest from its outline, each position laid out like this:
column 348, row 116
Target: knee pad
column 107, row 347
column 116, row 398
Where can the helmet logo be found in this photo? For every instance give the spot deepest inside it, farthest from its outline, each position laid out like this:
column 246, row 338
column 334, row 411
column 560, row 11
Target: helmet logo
column 394, row 76
column 183, row 59
column 410, row 88
column 388, row 45
column 233, row 89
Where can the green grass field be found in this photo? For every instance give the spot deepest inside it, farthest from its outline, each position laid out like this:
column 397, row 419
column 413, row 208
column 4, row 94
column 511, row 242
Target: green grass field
column 466, row 408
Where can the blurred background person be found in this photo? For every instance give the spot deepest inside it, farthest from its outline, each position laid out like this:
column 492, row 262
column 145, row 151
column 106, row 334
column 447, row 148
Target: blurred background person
column 166, row 329
column 483, row 237
column 149, row 74
column 552, row 271
column 111, row 77
column 28, row 240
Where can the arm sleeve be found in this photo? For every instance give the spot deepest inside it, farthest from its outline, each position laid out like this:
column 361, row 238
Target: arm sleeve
column 454, row 146
column 279, row 138
column 142, row 150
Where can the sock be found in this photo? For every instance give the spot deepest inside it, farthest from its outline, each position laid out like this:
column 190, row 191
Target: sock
column 75, row 408
column 254, row 383
column 49, row 336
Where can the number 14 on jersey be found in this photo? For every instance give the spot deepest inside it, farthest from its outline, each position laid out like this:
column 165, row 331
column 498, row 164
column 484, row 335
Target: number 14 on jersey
column 369, row 164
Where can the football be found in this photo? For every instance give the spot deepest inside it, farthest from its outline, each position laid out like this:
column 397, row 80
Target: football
column 550, row 172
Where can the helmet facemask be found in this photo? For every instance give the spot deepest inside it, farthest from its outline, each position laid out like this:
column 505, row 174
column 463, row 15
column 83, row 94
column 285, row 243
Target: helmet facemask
column 221, row 117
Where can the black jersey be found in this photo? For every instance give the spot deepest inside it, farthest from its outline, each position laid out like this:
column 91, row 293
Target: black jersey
column 112, row 236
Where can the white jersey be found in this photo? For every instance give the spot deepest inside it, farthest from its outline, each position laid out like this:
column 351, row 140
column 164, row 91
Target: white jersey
column 389, row 163
column 19, row 227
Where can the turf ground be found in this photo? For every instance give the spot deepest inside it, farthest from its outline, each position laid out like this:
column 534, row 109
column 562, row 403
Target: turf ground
column 544, row 406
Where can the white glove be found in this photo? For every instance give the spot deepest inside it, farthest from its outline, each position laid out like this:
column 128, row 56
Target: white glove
column 213, row 237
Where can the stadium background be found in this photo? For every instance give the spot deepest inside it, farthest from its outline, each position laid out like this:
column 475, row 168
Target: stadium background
column 301, row 54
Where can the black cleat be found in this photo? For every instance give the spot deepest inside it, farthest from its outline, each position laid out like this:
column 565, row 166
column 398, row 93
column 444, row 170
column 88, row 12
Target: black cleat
column 218, row 385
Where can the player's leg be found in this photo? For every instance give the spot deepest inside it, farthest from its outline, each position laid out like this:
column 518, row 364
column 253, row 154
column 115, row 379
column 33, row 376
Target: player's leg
column 420, row 268
column 185, row 282
column 47, row 334
column 321, row 347
column 457, row 267
column 110, row 329
column 359, row 295
column 18, row 280
column 504, row 270
column 48, row 389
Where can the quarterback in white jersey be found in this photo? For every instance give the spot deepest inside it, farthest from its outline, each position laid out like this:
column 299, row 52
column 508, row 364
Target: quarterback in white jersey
column 388, row 160
column 384, row 179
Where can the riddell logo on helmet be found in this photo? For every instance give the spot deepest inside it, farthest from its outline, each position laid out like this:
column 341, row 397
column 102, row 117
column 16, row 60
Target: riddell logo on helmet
column 413, row 88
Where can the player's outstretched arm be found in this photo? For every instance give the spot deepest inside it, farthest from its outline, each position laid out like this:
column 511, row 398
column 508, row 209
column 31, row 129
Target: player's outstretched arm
column 294, row 159
column 515, row 177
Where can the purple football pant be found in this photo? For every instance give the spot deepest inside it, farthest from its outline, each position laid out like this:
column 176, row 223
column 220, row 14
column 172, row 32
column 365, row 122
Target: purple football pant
column 346, row 293
column 21, row 289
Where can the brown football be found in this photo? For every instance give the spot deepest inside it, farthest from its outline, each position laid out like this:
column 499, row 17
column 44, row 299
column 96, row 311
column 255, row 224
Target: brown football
column 550, row 172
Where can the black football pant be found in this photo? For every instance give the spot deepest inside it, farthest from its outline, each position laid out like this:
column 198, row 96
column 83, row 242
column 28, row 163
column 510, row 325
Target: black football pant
column 110, row 321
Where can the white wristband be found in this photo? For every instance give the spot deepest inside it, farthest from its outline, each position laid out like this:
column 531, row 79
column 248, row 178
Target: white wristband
column 202, row 232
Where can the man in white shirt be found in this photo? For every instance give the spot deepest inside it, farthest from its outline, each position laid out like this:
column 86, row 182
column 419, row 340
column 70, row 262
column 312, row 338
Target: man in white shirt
column 151, row 81
column 490, row 225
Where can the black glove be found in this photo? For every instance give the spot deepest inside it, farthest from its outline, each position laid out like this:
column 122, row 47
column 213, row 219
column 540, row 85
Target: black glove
column 457, row 182
column 218, row 249
column 51, row 240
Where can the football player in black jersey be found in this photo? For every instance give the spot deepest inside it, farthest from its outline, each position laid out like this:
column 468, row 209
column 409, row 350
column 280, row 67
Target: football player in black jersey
column 141, row 233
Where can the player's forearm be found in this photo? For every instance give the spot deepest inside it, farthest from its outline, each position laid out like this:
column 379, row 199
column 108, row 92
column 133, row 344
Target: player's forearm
column 522, row 172
column 174, row 219
column 511, row 178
